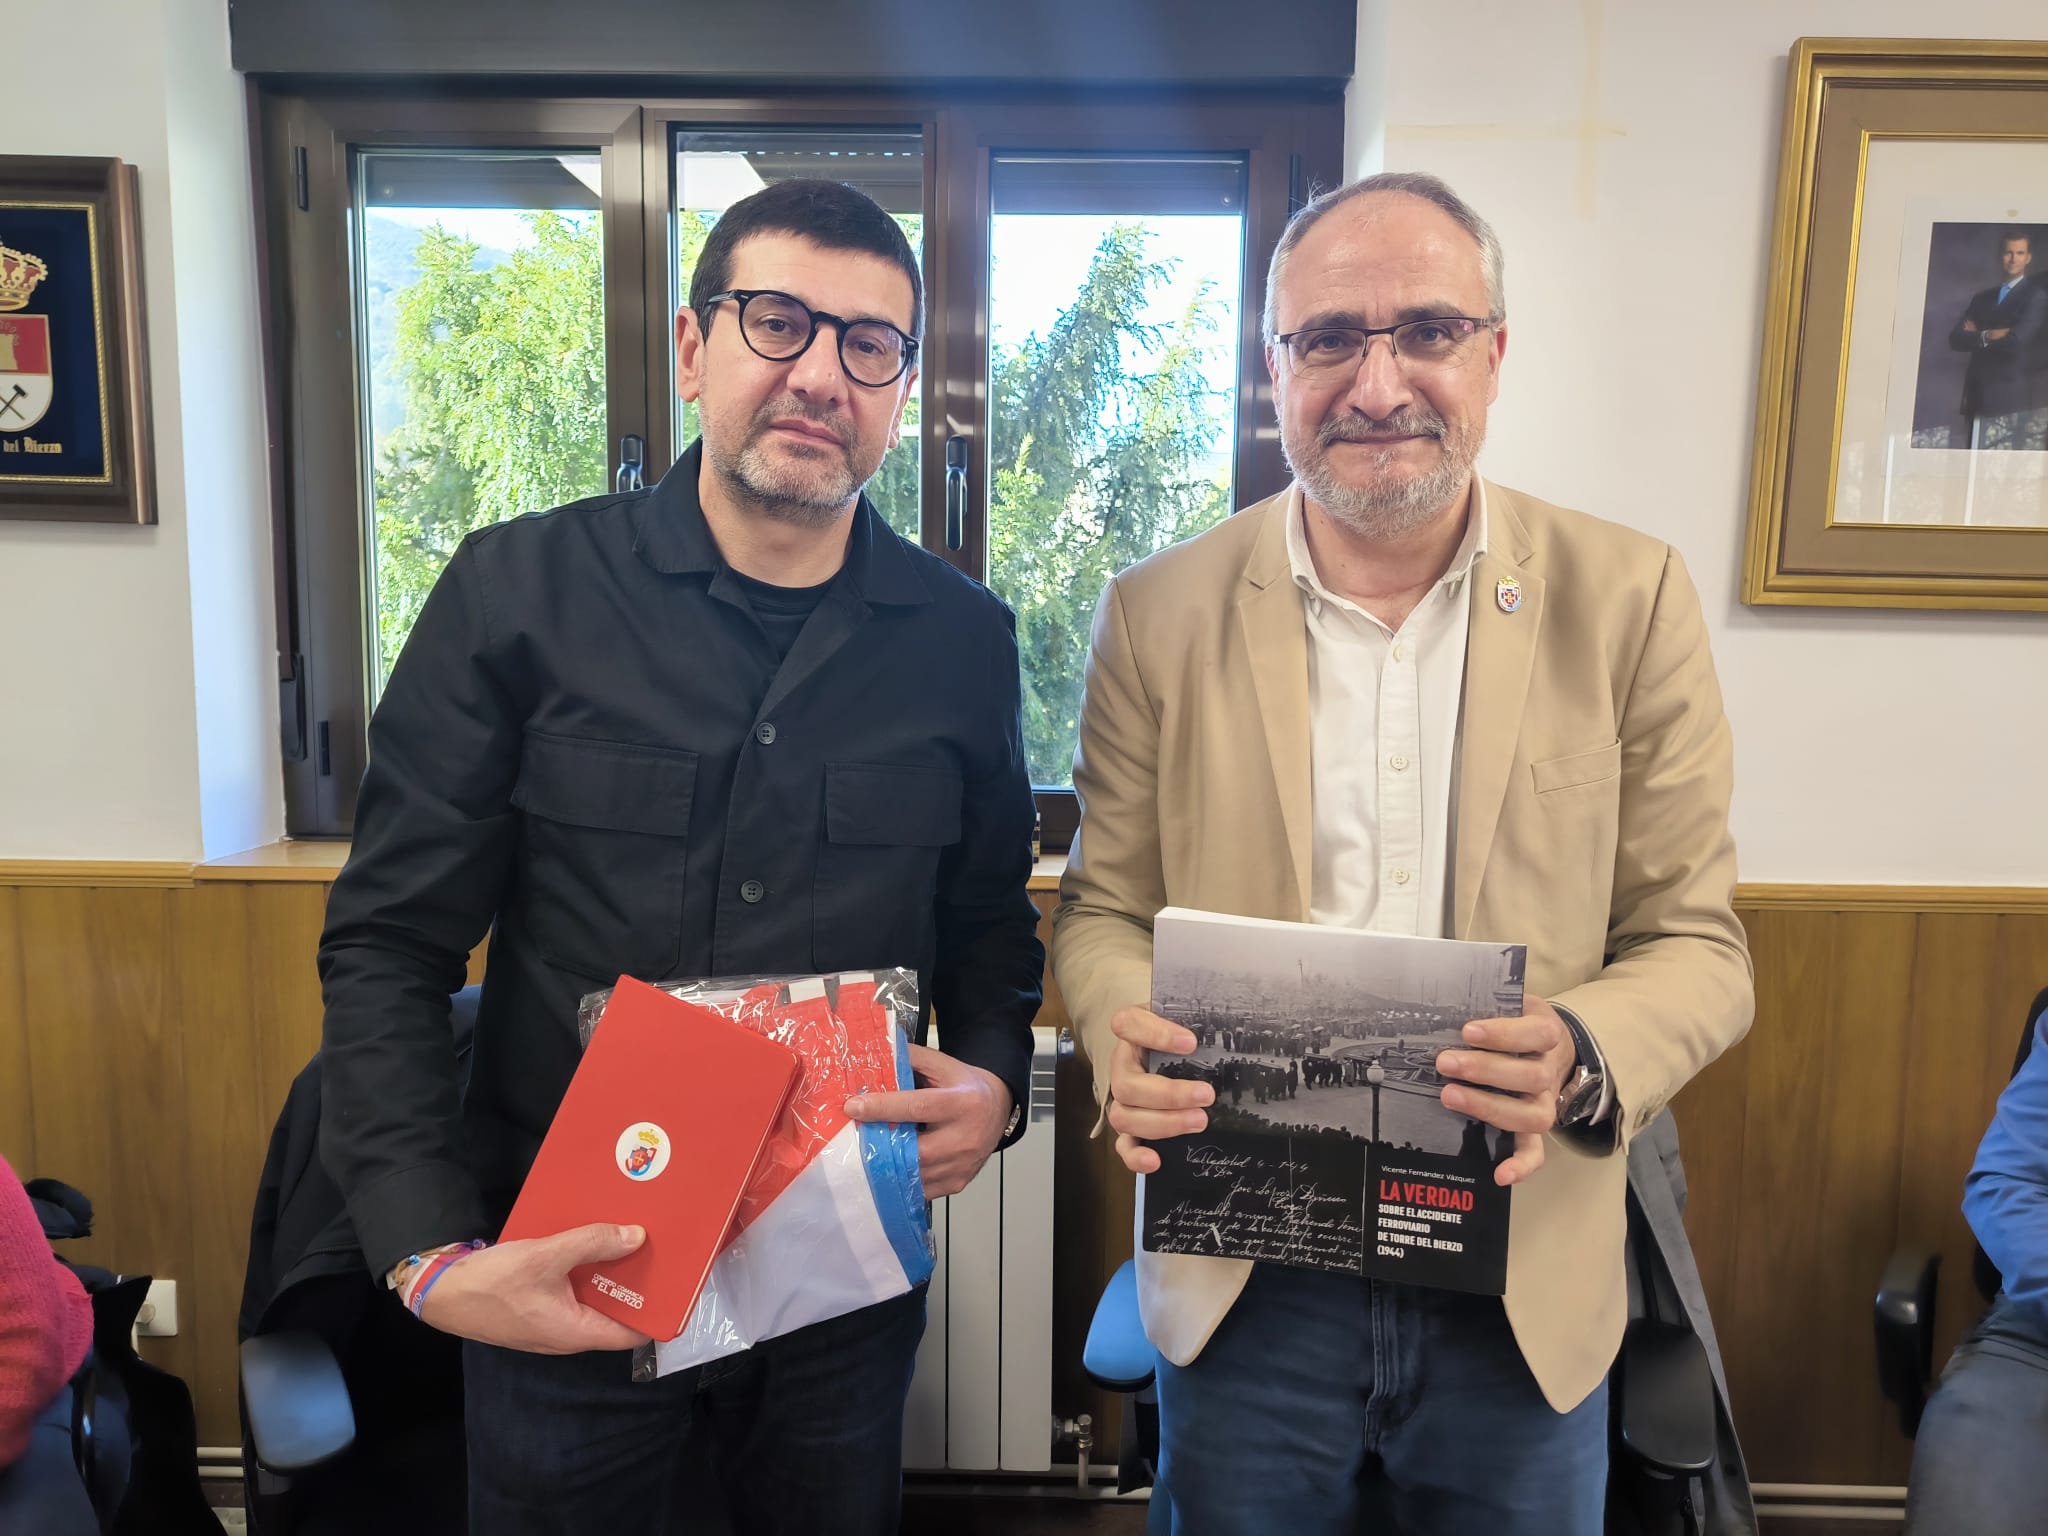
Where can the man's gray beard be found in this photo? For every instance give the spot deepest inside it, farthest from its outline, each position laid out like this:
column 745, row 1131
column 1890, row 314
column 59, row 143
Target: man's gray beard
column 785, row 492
column 1387, row 511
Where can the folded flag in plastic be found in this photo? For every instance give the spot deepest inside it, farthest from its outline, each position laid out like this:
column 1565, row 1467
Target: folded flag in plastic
column 833, row 1217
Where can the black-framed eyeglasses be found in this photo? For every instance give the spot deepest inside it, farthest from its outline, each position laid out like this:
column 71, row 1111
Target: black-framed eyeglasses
column 1438, row 341
column 781, row 329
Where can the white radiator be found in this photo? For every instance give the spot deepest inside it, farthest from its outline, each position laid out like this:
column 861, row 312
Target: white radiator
column 981, row 1400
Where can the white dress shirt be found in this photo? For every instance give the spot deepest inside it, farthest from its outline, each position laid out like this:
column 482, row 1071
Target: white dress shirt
column 1383, row 710
column 1383, row 743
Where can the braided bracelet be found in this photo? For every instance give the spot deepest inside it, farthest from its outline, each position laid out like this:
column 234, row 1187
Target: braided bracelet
column 434, row 1269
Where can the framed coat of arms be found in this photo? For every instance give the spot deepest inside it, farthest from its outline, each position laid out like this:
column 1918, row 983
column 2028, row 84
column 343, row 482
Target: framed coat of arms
column 74, row 391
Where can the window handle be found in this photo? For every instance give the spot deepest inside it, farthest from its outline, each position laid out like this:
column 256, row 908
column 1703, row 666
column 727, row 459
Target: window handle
column 956, row 493
column 632, row 459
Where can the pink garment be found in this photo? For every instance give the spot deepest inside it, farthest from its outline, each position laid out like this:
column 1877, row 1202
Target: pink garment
column 45, row 1319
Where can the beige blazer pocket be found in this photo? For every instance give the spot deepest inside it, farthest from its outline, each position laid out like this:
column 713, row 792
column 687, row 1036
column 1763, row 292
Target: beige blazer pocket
column 1578, row 768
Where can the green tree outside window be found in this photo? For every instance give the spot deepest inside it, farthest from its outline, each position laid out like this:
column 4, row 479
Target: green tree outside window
column 1105, row 434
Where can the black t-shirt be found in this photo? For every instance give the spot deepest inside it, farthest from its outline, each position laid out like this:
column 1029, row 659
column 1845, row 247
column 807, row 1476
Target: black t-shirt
column 780, row 610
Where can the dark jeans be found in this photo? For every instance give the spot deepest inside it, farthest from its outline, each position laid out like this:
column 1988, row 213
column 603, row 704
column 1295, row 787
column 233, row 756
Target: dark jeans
column 802, row 1434
column 1326, row 1406
column 1980, row 1461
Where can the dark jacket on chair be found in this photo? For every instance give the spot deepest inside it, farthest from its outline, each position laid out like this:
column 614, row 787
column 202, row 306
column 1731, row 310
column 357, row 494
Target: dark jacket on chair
column 1656, row 1180
column 404, row 1380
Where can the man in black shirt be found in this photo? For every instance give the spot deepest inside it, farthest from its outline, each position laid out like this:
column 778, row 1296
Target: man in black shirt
column 729, row 725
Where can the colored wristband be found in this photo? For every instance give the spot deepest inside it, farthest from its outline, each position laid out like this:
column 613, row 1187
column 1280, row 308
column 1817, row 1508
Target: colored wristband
column 434, row 1269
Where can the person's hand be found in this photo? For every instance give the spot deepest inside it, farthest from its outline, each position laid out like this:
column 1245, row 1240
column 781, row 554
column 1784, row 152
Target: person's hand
column 518, row 1295
column 2000, row 334
column 1530, row 1057
column 961, row 1112
column 1969, row 325
column 1144, row 1106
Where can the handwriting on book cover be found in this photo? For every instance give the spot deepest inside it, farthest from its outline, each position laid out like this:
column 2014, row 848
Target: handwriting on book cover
column 1328, row 1143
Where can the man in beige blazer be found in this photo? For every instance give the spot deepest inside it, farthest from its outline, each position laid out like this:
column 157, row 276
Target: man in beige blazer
column 1399, row 697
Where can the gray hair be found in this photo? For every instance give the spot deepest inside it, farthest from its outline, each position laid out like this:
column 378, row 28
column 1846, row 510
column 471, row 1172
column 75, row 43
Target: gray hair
column 1430, row 189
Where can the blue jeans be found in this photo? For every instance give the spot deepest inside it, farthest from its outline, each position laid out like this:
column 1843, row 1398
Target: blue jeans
column 1327, row 1406
column 1980, row 1461
column 800, row 1435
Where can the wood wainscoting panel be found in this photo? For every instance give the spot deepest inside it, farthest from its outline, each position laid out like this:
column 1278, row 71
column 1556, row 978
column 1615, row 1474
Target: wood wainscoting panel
column 1973, row 980
column 149, row 1031
column 250, row 999
column 106, row 1068
column 228, row 1121
column 1840, row 1130
column 17, row 1100
column 1818, row 1157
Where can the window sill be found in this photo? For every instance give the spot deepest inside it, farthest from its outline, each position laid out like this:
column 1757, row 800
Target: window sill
column 311, row 861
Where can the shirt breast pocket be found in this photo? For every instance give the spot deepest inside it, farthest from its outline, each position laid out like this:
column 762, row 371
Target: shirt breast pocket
column 878, row 866
column 604, row 847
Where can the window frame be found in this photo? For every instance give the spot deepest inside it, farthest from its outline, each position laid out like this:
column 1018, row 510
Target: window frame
column 309, row 145
column 1291, row 141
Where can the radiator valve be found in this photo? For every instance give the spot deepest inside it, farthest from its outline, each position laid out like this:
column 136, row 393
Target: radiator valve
column 1081, row 1431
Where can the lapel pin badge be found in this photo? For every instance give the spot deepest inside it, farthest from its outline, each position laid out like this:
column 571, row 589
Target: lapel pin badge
column 1507, row 592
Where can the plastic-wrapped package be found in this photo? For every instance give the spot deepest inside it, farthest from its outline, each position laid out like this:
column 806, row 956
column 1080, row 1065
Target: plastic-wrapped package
column 833, row 1218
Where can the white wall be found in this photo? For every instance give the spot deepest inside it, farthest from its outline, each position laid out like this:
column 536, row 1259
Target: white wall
column 1627, row 155
column 108, row 749
column 220, row 374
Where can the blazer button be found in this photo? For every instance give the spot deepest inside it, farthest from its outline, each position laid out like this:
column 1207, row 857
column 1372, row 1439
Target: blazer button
column 753, row 891
column 764, row 733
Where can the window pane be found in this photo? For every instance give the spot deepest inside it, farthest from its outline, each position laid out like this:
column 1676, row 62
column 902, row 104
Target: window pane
column 715, row 168
column 480, row 300
column 1115, row 300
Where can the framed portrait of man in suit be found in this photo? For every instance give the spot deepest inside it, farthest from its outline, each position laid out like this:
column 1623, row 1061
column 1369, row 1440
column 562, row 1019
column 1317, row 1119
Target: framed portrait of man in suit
column 1901, row 454
column 75, row 440
column 1983, row 353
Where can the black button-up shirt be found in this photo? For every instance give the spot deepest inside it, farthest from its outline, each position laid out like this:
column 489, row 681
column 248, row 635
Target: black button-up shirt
column 592, row 749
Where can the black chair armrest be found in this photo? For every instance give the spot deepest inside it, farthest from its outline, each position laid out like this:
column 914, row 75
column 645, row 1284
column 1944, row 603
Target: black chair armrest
column 1666, row 1390
column 1905, row 1331
column 296, row 1401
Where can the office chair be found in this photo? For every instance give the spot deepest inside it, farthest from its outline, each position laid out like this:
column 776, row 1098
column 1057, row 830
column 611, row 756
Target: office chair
column 352, row 1409
column 1904, row 1313
column 118, row 1452
column 1119, row 1358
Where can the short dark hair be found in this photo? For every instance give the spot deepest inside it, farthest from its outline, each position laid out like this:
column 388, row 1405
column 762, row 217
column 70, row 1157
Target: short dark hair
column 828, row 213
column 2016, row 234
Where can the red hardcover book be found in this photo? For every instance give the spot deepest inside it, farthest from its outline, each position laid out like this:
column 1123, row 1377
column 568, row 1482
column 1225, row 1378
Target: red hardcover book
column 660, row 1129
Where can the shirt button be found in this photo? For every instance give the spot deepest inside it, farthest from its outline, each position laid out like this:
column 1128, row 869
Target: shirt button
column 752, row 891
column 1398, row 763
column 1400, row 653
column 764, row 733
column 1400, row 877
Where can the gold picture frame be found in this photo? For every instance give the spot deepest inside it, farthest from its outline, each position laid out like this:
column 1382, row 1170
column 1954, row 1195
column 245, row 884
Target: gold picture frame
column 75, row 431
column 1896, row 190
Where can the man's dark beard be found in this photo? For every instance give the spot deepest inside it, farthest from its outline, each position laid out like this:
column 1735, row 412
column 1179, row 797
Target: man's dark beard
column 794, row 494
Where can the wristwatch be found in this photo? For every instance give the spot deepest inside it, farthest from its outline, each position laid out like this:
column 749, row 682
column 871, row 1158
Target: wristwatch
column 1579, row 1099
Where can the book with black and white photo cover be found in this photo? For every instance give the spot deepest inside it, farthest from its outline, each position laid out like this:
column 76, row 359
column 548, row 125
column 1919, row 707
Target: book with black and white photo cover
column 1329, row 1145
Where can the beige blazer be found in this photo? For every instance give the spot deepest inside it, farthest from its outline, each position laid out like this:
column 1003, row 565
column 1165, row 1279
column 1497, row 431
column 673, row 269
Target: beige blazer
column 1590, row 823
